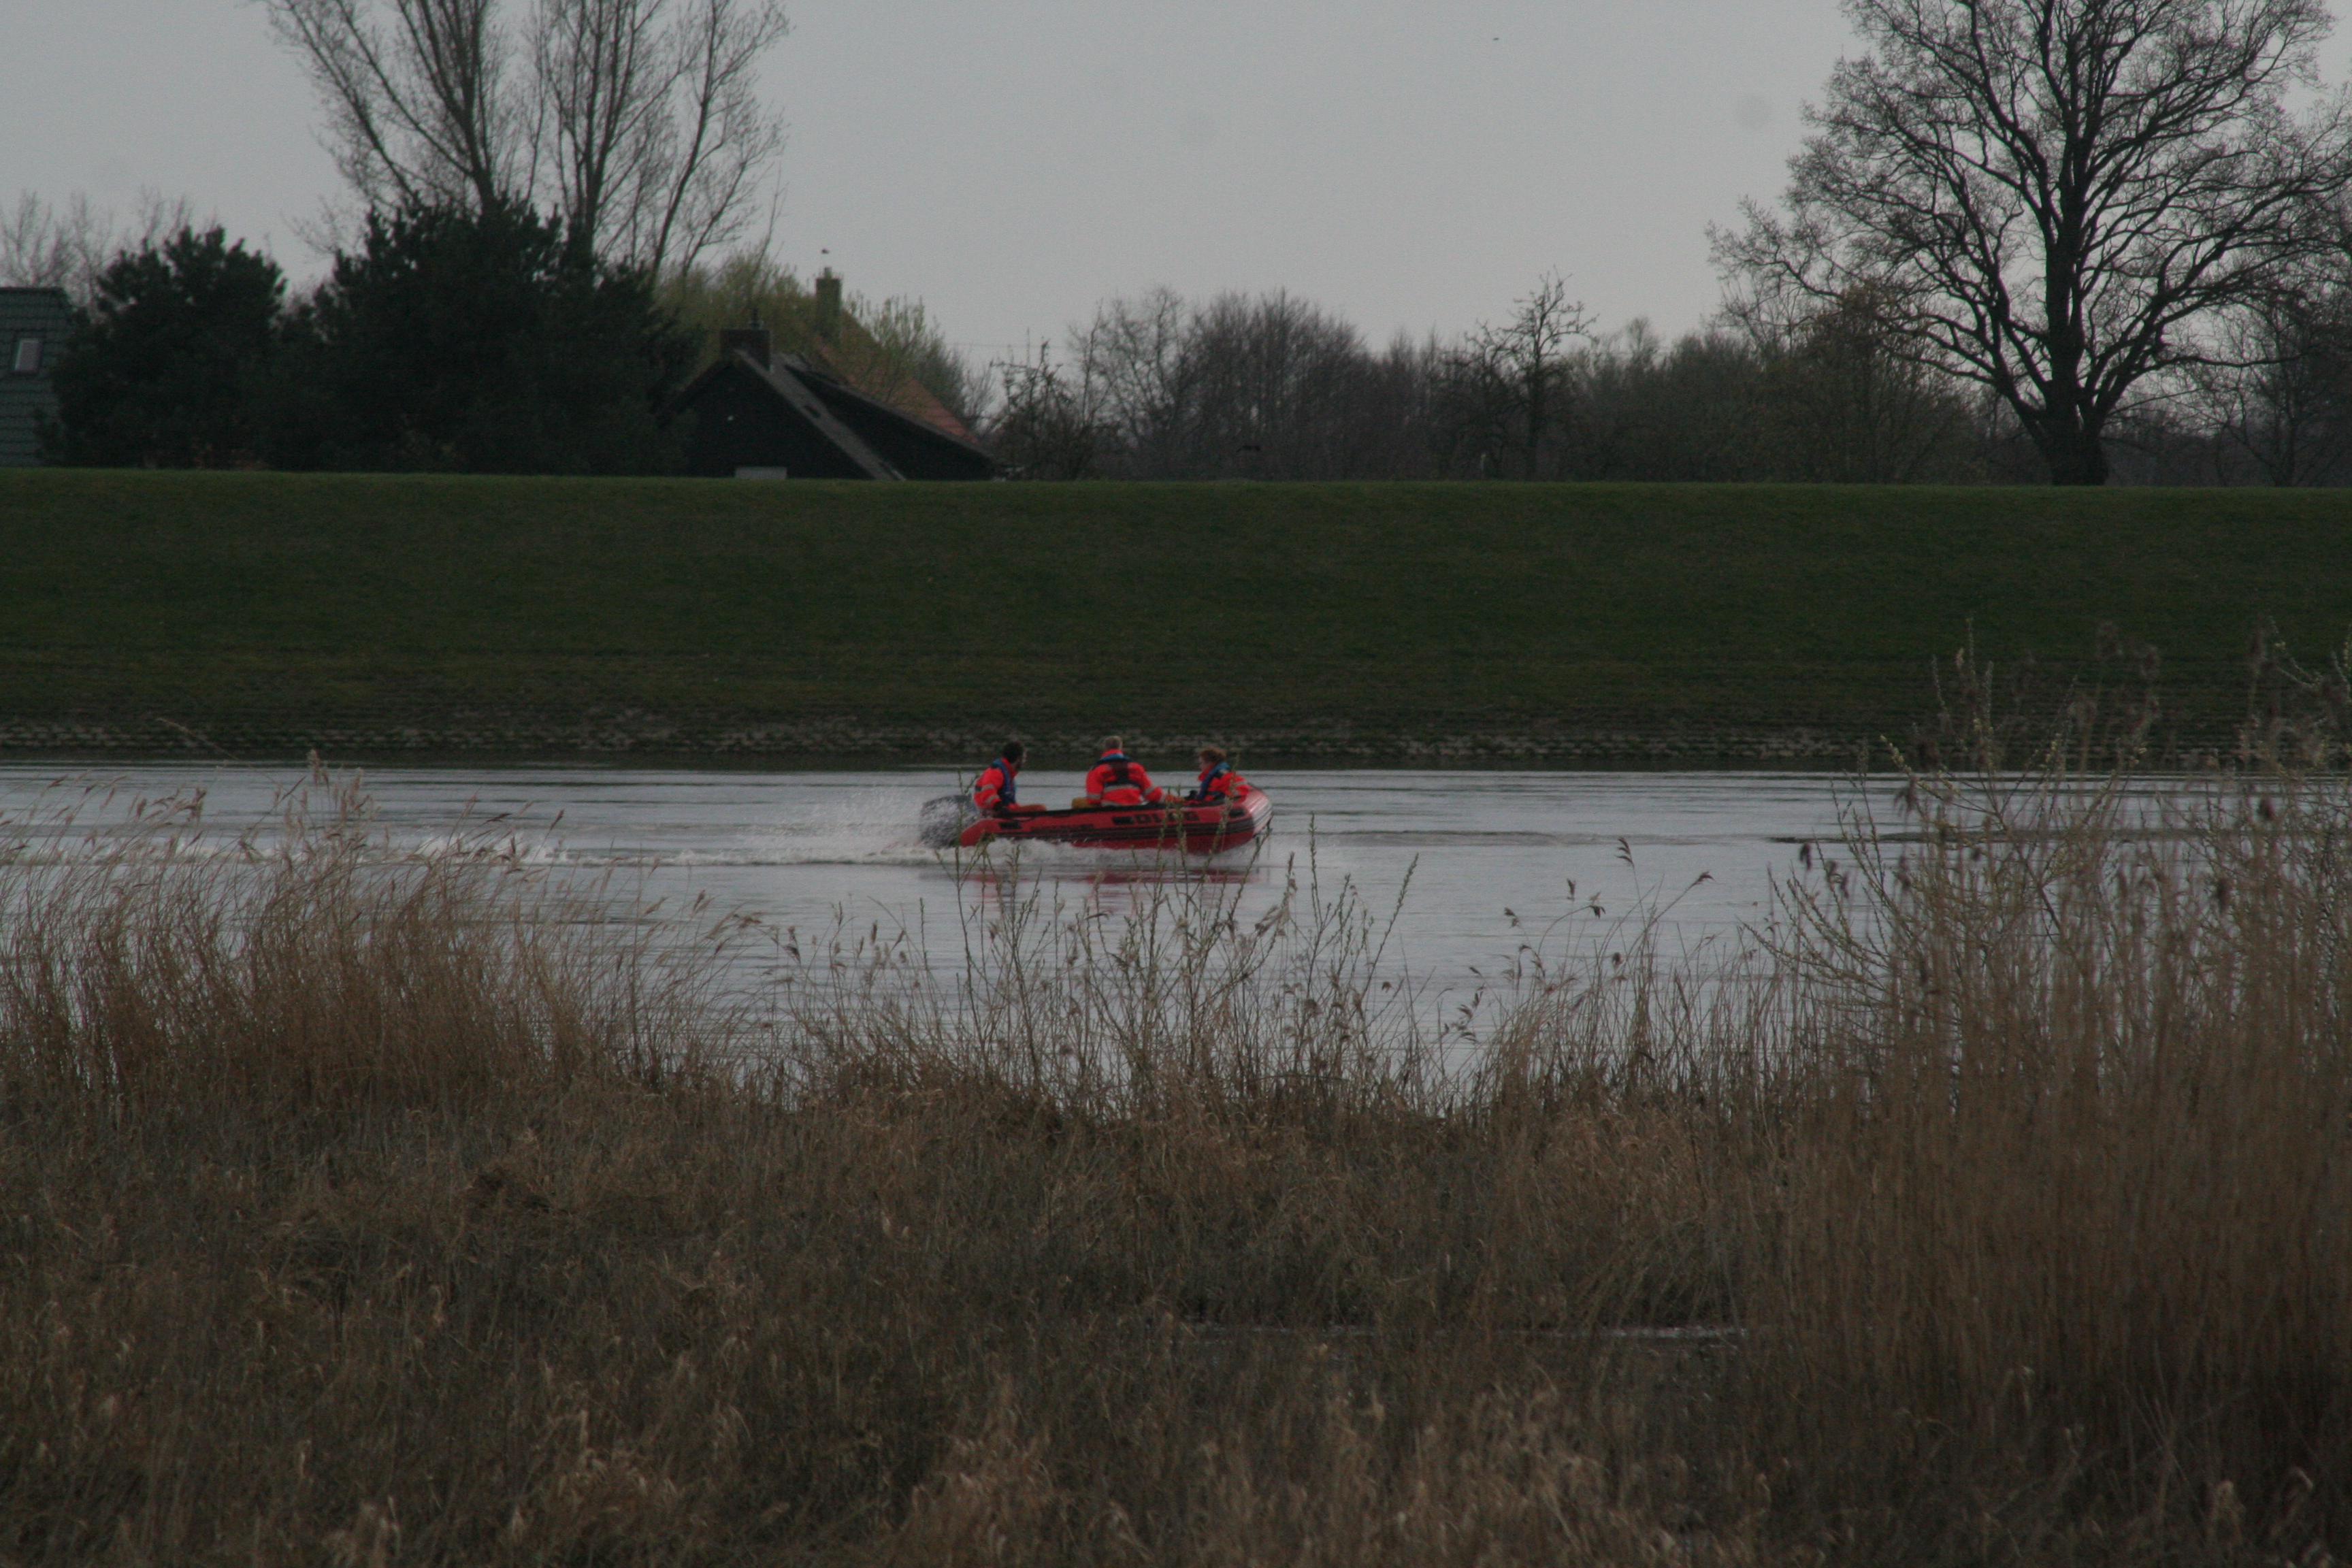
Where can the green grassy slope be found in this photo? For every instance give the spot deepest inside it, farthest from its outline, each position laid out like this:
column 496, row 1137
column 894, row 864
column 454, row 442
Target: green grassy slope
column 378, row 612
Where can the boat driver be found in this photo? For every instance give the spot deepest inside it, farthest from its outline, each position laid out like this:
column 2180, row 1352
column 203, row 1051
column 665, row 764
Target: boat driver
column 992, row 792
column 1119, row 779
column 1219, row 783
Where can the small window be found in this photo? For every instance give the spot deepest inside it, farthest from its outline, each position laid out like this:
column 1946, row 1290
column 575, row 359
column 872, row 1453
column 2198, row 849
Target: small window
column 28, row 356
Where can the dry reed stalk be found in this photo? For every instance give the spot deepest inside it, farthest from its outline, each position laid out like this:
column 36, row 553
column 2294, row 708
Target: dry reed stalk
column 146, row 964
column 2064, row 1085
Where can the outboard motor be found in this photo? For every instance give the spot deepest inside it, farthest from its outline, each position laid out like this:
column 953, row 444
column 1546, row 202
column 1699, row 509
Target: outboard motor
column 944, row 819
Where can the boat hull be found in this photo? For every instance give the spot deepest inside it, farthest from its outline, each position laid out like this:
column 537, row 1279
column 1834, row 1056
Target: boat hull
column 1195, row 829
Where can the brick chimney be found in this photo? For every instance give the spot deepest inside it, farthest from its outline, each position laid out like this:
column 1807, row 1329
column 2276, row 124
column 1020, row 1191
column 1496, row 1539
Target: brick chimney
column 828, row 305
column 753, row 340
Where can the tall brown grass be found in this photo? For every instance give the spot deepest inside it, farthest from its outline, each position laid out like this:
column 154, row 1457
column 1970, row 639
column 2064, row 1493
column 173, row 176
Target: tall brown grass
column 2064, row 1081
column 372, row 1207
column 149, row 965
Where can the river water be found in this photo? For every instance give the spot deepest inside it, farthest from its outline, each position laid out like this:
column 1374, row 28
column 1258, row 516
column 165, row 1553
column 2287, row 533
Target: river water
column 1485, row 862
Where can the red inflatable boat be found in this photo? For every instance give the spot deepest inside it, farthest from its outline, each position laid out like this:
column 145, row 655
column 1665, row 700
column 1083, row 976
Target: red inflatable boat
column 1196, row 829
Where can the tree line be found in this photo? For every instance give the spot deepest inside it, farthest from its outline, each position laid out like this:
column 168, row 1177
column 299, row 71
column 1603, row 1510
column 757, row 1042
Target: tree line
column 446, row 337
column 480, row 341
column 490, row 341
column 2059, row 239
column 2065, row 240
column 1274, row 387
column 549, row 204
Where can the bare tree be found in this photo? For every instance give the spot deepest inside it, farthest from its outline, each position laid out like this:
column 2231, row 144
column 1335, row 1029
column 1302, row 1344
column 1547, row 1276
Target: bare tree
column 1650, row 410
column 1048, row 426
column 1844, row 404
column 2282, row 403
column 1241, row 386
column 658, row 133
column 1474, row 431
column 2055, row 196
column 420, row 102
column 637, row 121
column 1516, row 372
column 1131, row 360
column 48, row 246
column 1274, row 390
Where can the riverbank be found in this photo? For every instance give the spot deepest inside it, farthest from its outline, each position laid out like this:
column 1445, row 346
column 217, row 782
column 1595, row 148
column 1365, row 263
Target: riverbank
column 368, row 615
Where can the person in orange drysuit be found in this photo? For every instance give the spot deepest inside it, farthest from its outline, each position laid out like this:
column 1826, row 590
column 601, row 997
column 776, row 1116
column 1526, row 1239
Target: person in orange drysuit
column 1118, row 780
column 992, row 792
column 1219, row 783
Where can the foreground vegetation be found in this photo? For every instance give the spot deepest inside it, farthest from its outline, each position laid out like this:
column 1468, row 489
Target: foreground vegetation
column 383, row 1208
column 273, row 613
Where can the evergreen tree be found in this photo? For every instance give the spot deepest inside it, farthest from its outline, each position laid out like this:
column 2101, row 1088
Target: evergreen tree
column 484, row 342
column 166, row 365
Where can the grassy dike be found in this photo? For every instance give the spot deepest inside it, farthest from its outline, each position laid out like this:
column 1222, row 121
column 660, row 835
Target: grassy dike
column 366, row 614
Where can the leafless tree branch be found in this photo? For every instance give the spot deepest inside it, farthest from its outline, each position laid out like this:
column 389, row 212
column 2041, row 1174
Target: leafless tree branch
column 2055, row 198
column 67, row 247
column 639, row 122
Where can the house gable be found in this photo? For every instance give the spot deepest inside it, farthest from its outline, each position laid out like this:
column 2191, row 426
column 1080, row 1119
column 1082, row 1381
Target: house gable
column 755, row 411
column 916, row 448
column 749, row 415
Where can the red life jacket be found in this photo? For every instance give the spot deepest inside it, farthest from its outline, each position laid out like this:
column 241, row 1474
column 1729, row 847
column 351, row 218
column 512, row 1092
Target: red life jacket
column 1118, row 780
column 1219, row 781
column 992, row 791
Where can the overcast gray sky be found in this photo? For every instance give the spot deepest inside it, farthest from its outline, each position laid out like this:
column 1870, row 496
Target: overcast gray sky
column 1410, row 164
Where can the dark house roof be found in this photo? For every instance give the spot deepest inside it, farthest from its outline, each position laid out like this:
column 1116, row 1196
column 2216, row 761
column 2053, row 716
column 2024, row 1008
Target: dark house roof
column 755, row 409
column 33, row 327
